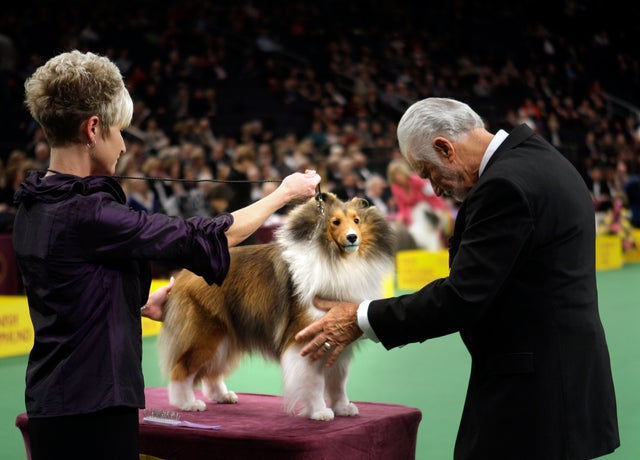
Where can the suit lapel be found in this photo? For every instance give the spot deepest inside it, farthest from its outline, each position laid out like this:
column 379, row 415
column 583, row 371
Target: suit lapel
column 516, row 137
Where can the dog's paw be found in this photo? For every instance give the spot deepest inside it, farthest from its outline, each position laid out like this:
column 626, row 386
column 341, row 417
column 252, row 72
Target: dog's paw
column 227, row 398
column 347, row 410
column 194, row 406
column 325, row 415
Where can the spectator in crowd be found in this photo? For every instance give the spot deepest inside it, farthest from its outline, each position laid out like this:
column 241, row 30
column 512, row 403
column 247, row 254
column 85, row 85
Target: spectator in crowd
column 425, row 215
column 139, row 195
column 218, row 197
column 599, row 188
column 244, row 160
column 377, row 190
column 632, row 191
column 349, row 186
column 15, row 172
column 409, row 189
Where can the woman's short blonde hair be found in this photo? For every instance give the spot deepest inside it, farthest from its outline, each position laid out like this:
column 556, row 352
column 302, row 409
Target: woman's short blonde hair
column 73, row 86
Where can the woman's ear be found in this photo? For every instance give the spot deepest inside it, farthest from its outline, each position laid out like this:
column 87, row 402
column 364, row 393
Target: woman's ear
column 89, row 129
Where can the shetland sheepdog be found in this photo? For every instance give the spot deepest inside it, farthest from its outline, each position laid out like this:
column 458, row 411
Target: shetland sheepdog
column 326, row 248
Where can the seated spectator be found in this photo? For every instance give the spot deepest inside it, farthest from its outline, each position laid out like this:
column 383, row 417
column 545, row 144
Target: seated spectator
column 349, row 187
column 377, row 190
column 632, row 190
column 15, row 173
column 139, row 195
column 599, row 188
column 218, row 197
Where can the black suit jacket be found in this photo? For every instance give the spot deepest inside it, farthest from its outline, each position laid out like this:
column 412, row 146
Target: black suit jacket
column 522, row 293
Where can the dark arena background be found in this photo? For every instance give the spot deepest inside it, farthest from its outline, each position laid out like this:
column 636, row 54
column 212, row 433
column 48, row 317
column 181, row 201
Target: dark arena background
column 322, row 85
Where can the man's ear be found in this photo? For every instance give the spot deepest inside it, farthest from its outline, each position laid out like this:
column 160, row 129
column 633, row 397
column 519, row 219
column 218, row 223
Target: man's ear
column 443, row 147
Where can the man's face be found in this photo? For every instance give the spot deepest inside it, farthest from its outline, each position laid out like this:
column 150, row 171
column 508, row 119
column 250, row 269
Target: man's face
column 445, row 179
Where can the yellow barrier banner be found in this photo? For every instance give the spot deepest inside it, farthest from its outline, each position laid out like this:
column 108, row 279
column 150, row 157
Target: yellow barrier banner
column 388, row 285
column 16, row 331
column 608, row 252
column 416, row 267
column 633, row 255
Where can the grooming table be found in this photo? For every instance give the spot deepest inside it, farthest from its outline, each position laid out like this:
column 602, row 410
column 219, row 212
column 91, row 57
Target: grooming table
column 258, row 427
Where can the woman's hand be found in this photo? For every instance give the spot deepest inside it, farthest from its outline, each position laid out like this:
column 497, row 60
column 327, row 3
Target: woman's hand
column 154, row 308
column 300, row 186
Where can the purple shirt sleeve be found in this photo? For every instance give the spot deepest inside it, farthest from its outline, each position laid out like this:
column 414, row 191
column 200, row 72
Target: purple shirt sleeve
column 198, row 243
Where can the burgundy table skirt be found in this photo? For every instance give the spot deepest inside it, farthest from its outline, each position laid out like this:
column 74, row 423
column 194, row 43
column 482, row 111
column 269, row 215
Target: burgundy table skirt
column 10, row 281
column 258, row 428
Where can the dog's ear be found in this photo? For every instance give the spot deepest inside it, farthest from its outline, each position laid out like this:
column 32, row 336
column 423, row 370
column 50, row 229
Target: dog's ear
column 322, row 196
column 360, row 203
column 327, row 197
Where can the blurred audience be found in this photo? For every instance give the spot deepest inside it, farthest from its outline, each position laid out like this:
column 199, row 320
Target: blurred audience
column 290, row 100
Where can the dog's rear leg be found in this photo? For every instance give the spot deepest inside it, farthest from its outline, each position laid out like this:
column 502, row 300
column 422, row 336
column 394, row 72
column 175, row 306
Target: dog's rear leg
column 223, row 363
column 181, row 394
column 187, row 370
column 336, row 386
column 303, row 381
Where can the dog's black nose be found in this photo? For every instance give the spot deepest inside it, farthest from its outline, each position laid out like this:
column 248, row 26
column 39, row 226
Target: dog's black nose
column 352, row 238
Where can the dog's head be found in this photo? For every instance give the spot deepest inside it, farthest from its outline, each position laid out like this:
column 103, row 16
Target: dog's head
column 343, row 227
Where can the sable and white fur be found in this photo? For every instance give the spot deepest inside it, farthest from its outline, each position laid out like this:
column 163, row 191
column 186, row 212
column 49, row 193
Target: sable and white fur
column 325, row 247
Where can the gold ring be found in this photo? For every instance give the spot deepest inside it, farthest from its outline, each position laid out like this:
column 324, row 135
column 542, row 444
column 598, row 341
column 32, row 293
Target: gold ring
column 327, row 346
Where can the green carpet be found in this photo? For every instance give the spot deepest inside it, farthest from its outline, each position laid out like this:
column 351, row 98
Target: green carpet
column 431, row 376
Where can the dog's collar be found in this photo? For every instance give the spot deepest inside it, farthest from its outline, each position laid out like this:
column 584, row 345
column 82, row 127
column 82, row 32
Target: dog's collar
column 320, row 201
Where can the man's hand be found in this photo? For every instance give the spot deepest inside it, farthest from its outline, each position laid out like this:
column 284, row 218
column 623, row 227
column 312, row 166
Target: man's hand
column 154, row 308
column 331, row 333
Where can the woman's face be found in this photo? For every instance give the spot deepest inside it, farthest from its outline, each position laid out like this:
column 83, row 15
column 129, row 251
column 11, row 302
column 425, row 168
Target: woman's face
column 105, row 155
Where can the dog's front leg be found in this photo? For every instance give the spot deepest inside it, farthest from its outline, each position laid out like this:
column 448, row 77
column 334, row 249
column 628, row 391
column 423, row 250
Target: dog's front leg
column 303, row 381
column 336, row 386
column 216, row 390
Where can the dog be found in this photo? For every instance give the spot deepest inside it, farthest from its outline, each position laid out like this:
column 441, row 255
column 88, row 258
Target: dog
column 427, row 227
column 325, row 247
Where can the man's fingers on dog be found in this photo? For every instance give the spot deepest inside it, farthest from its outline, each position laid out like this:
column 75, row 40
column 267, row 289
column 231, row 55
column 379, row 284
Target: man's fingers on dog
column 309, row 332
column 333, row 356
column 312, row 348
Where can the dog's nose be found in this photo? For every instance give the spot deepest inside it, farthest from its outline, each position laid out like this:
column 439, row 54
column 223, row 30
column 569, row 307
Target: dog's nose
column 352, row 238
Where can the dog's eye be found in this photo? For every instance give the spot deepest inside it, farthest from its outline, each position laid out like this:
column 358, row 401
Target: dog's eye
column 336, row 221
column 356, row 220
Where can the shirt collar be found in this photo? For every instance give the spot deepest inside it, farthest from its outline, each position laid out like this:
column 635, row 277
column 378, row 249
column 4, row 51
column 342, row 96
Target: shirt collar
column 499, row 137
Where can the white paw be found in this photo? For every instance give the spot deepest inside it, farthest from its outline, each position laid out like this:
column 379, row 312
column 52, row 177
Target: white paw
column 348, row 410
column 226, row 398
column 325, row 414
column 194, row 406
